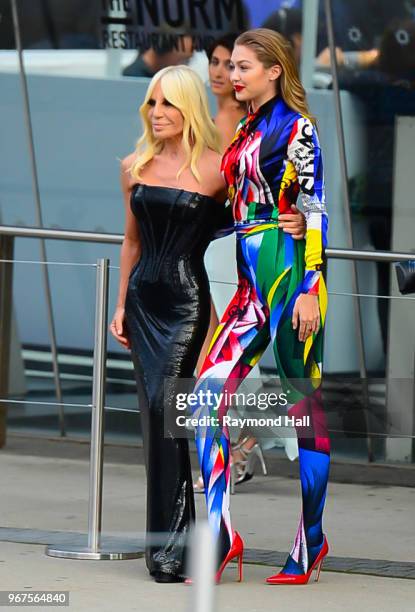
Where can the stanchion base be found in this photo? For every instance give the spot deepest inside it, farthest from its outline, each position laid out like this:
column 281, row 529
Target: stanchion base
column 104, row 553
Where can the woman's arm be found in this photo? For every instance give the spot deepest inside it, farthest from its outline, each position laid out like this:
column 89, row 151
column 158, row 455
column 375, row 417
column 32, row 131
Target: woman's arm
column 213, row 182
column 130, row 254
column 305, row 154
column 130, row 248
column 224, row 222
column 213, row 324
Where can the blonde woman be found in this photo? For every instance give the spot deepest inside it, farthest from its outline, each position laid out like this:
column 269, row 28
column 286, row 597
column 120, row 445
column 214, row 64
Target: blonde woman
column 173, row 196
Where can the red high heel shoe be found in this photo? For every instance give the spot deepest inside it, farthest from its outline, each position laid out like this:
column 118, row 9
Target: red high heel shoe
column 302, row 578
column 236, row 550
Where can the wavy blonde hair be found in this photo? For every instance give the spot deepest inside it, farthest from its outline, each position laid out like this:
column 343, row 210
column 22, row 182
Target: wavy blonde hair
column 183, row 88
column 272, row 48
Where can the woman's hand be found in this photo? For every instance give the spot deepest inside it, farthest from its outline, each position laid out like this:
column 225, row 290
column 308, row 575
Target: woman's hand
column 306, row 314
column 117, row 327
column 293, row 224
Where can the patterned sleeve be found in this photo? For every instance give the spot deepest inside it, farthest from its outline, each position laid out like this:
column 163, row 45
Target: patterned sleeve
column 305, row 154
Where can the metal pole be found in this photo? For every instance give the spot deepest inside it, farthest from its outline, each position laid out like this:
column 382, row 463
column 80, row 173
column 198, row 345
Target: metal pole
column 202, row 569
column 104, row 238
column 347, row 214
column 98, row 404
column 61, row 234
column 309, row 42
column 94, row 549
column 38, row 210
column 6, row 285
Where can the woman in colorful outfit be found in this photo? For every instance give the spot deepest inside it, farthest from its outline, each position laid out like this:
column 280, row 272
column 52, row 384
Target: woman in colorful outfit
column 229, row 114
column 281, row 296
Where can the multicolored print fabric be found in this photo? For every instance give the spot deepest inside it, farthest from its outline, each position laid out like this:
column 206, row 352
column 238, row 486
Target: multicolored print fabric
column 275, row 154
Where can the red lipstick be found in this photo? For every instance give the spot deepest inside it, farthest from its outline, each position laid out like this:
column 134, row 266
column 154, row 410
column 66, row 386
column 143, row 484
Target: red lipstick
column 239, row 87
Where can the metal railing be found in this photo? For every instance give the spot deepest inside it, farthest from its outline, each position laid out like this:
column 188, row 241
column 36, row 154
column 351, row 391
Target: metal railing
column 8, row 233
column 104, row 238
column 93, row 548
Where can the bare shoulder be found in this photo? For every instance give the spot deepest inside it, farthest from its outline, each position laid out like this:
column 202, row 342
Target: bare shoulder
column 126, row 163
column 209, row 166
column 211, row 157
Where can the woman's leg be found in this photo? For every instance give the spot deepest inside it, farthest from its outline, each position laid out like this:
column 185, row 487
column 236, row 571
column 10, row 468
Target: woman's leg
column 213, row 324
column 170, row 509
column 198, row 485
column 314, row 460
column 239, row 341
column 300, row 369
column 161, row 361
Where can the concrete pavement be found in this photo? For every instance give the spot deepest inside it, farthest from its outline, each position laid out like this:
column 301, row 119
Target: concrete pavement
column 50, row 494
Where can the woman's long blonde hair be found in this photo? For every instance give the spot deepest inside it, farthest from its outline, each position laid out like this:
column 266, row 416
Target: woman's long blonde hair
column 183, row 88
column 272, row 48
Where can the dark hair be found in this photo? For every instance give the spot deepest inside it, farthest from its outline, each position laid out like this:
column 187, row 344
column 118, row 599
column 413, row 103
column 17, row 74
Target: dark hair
column 397, row 50
column 285, row 21
column 227, row 41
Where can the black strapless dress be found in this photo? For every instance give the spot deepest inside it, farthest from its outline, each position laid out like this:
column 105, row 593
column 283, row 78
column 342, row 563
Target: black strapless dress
column 167, row 315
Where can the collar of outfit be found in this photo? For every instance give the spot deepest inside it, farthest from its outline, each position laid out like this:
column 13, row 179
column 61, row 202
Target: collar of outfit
column 253, row 117
column 265, row 107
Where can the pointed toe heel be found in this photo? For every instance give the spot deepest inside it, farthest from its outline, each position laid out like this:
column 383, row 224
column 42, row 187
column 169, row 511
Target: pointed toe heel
column 282, row 578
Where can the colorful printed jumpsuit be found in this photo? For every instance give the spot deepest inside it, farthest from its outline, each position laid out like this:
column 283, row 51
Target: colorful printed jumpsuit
column 275, row 153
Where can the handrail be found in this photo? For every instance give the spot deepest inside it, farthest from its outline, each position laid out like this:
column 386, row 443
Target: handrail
column 385, row 256
column 54, row 234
